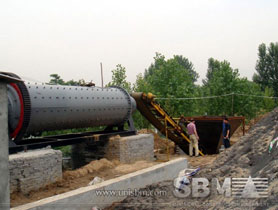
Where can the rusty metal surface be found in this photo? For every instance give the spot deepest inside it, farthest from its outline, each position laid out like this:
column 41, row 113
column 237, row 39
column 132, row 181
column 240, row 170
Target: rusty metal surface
column 210, row 131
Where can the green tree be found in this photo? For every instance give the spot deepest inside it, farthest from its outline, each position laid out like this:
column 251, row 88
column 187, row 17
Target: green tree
column 188, row 66
column 119, row 78
column 267, row 67
column 269, row 103
column 72, row 82
column 213, row 65
column 140, row 85
column 222, row 79
column 56, row 80
column 172, row 78
column 247, row 105
column 159, row 60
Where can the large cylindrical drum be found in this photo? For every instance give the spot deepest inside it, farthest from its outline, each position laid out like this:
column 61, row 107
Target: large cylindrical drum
column 55, row 107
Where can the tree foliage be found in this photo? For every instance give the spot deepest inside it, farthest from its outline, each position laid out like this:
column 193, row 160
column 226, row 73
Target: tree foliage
column 213, row 65
column 267, row 67
column 188, row 66
column 119, row 78
column 57, row 80
column 176, row 78
column 222, row 79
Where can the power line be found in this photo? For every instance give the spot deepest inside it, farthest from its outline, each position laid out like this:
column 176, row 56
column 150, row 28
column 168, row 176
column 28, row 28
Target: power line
column 242, row 94
column 193, row 98
column 224, row 95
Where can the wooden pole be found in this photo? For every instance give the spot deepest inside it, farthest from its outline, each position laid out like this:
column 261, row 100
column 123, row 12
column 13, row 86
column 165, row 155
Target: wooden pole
column 243, row 124
column 166, row 134
column 232, row 104
column 101, row 74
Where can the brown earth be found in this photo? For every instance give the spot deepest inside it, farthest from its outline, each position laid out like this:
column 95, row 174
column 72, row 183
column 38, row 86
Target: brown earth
column 103, row 168
column 160, row 144
column 75, row 179
column 200, row 161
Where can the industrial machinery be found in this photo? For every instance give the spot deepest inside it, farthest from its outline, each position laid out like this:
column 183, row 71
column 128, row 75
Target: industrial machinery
column 209, row 127
column 34, row 108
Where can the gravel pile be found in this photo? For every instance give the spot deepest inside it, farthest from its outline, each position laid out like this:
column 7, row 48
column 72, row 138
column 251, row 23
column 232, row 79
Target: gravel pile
column 248, row 157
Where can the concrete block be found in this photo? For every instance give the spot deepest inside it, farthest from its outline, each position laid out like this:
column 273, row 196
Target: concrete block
column 4, row 151
column 34, row 169
column 131, row 148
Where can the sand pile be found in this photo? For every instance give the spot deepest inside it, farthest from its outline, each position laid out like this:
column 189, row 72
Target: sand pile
column 160, row 144
column 93, row 166
column 248, row 157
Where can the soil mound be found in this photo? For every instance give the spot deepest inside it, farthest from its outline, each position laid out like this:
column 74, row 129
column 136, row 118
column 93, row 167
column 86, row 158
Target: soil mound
column 160, row 144
column 93, row 166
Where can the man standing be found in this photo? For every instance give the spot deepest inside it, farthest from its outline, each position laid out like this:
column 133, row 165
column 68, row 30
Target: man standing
column 226, row 132
column 182, row 122
column 193, row 135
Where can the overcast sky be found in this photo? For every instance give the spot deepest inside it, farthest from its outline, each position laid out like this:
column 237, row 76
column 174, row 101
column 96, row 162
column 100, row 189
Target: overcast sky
column 72, row 37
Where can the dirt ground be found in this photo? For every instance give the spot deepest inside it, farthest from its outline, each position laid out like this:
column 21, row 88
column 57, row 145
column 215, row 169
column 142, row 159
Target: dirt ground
column 103, row 168
column 100, row 168
column 248, row 156
column 200, row 161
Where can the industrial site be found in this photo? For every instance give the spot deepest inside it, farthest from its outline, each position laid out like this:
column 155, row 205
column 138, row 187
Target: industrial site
column 138, row 105
column 117, row 166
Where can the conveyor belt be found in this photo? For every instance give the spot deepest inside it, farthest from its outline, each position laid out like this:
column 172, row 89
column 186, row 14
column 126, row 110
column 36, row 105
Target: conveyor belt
column 159, row 118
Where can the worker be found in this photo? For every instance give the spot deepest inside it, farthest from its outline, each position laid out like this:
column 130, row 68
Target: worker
column 194, row 138
column 226, row 132
column 182, row 122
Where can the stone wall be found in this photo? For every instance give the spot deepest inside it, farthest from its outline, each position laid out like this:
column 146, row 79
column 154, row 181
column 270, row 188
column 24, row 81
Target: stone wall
column 131, row 148
column 34, row 169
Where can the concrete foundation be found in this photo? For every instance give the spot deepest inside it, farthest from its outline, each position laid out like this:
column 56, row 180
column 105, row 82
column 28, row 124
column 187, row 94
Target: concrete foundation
column 87, row 197
column 4, row 149
column 34, row 169
column 125, row 149
column 131, row 148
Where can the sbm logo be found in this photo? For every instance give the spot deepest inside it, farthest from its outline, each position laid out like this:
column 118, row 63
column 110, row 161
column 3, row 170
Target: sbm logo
column 231, row 187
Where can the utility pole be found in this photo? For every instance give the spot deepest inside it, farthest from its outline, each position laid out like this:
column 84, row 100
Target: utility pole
column 101, row 74
column 233, row 104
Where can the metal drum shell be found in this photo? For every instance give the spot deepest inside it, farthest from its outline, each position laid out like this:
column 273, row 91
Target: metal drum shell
column 55, row 107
